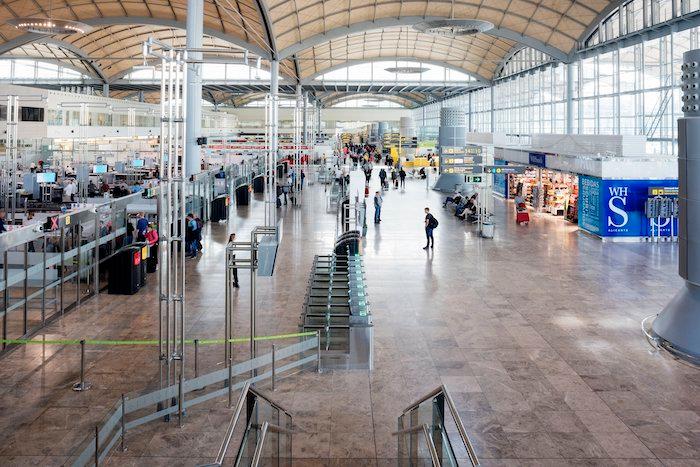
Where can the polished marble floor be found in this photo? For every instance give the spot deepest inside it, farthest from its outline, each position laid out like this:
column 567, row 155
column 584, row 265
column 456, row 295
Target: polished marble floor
column 536, row 334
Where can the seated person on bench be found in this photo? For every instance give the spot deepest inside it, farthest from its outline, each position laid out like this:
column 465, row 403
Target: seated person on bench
column 468, row 209
column 455, row 198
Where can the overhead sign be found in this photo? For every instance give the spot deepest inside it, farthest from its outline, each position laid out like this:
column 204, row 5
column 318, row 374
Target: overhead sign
column 537, row 159
column 464, row 169
column 466, row 159
column 504, row 169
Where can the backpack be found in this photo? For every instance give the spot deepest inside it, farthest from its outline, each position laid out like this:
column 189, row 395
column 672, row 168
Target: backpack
column 433, row 222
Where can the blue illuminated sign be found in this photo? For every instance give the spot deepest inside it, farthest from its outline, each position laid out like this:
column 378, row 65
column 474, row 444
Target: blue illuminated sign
column 537, row 159
column 615, row 208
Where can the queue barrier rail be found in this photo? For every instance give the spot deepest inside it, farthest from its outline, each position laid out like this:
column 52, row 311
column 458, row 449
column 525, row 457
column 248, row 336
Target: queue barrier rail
column 171, row 400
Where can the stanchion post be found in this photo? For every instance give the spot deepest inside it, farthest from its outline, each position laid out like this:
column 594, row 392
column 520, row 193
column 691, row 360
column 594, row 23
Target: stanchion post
column 273, row 367
column 318, row 351
column 123, row 423
column 82, row 385
column 180, row 401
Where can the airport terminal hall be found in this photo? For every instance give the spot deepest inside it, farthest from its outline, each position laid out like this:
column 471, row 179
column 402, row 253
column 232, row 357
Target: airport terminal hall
column 350, row 233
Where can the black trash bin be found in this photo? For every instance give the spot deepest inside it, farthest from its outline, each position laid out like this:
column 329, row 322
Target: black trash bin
column 219, row 208
column 259, row 184
column 152, row 261
column 242, row 195
column 126, row 271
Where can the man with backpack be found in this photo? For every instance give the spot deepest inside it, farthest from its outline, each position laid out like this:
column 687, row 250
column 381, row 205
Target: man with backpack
column 430, row 224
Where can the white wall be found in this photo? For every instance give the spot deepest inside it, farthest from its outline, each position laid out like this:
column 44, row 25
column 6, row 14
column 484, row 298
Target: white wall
column 333, row 114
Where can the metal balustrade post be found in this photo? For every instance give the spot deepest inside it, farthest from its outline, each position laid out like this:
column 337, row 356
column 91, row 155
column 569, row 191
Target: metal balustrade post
column 97, row 445
column 123, row 424
column 196, row 358
column 318, row 351
column 230, row 382
column 180, row 401
column 273, row 367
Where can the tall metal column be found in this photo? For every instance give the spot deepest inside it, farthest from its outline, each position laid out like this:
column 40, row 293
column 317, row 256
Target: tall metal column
column 105, row 90
column 11, row 149
column 195, row 33
column 318, row 121
column 171, row 209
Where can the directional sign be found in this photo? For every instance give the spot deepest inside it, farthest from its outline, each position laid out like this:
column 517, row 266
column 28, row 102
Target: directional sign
column 663, row 191
column 464, row 169
column 504, row 169
column 462, row 159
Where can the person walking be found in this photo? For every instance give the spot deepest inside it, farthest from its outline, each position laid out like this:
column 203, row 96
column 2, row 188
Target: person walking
column 430, row 224
column 377, row 207
column 141, row 227
column 402, row 177
column 191, row 235
column 382, row 178
column 231, row 239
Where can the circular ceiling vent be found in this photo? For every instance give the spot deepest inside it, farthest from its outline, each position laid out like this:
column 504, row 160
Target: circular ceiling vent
column 50, row 26
column 453, row 27
column 407, row 70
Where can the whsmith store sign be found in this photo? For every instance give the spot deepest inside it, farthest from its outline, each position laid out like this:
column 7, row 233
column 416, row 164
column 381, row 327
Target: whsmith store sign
column 615, row 208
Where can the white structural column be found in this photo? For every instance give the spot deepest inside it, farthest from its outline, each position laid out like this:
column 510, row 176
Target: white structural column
column 493, row 114
column 274, row 138
column 193, row 127
column 569, row 98
column 305, row 117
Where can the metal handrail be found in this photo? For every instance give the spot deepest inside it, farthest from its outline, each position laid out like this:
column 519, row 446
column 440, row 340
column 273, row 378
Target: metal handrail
column 234, row 421
column 455, row 416
column 260, row 444
column 431, row 445
column 232, row 425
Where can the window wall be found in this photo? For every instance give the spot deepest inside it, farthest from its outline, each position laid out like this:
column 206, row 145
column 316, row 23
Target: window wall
column 637, row 15
column 633, row 90
column 382, row 72
column 20, row 70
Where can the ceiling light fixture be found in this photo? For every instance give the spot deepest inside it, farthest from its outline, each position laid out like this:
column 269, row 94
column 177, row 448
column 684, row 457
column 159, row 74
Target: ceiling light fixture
column 453, row 27
column 50, row 26
column 407, row 70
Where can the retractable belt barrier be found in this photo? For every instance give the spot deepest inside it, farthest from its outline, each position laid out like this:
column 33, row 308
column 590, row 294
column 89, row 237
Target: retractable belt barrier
column 235, row 340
